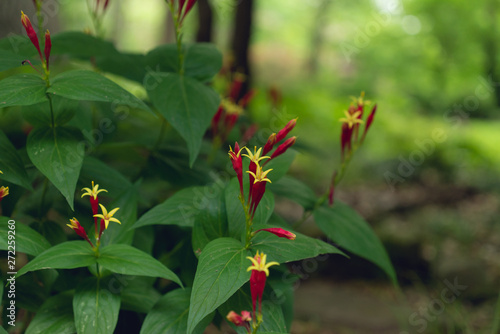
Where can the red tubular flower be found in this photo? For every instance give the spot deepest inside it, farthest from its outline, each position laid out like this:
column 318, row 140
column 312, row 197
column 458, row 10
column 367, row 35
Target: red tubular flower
column 283, row 147
column 4, row 191
column 260, row 271
column 242, row 320
column 237, row 164
column 189, row 5
column 270, row 143
column 259, row 187
column 283, row 132
column 279, row 232
column 369, row 122
column 25, row 20
column 255, row 158
column 229, row 121
column 75, row 225
column 94, row 201
column 48, row 46
column 106, row 3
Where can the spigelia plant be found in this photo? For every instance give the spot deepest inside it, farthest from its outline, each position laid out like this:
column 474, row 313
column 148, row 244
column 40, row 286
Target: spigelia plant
column 185, row 233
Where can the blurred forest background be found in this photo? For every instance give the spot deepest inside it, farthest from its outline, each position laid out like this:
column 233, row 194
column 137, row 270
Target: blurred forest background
column 427, row 177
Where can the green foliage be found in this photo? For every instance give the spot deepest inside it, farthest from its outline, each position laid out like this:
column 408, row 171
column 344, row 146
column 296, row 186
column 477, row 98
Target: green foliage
column 181, row 217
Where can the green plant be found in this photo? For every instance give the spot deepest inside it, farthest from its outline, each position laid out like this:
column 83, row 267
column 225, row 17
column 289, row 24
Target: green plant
column 189, row 236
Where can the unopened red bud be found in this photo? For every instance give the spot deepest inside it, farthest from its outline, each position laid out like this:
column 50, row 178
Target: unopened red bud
column 25, row 20
column 279, row 232
column 48, row 46
column 235, row 89
column 189, row 5
column 331, row 191
column 283, row 132
column 269, row 144
column 283, row 147
column 369, row 121
column 106, row 4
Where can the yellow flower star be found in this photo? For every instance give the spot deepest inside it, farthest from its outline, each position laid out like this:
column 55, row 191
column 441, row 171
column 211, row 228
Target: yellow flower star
column 107, row 216
column 259, row 263
column 351, row 119
column 360, row 100
column 231, row 107
column 259, row 175
column 4, row 191
column 93, row 192
column 255, row 157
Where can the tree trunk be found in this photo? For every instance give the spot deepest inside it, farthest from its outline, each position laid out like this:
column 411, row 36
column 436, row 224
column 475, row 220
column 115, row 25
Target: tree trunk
column 241, row 41
column 204, row 22
column 317, row 37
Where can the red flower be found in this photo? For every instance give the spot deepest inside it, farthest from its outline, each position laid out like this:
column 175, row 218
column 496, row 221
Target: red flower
column 270, row 143
column 237, row 165
column 369, row 122
column 242, row 320
column 94, row 201
column 283, row 132
column 283, row 147
column 279, row 232
column 48, row 46
column 25, row 20
column 258, row 188
column 260, row 271
column 75, row 225
column 255, row 158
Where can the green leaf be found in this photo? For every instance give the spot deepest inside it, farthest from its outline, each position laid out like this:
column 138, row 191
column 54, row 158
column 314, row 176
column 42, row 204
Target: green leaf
column 127, row 260
column 39, row 114
column 10, row 60
column 68, row 255
column 86, row 85
column 138, row 295
column 283, row 250
column 95, row 307
column 201, row 60
column 180, row 209
column 221, row 272
column 170, row 315
column 295, row 190
column 235, row 213
column 187, row 104
column 80, row 44
column 127, row 215
column 58, row 154
column 11, row 164
column 346, row 228
column 210, row 223
column 128, row 65
column 26, row 239
column 108, row 178
column 280, row 165
column 22, row 90
column 54, row 316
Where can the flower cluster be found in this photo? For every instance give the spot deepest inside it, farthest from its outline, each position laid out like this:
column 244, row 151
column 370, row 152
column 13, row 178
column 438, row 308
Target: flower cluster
column 349, row 137
column 351, row 123
column 34, row 40
column 258, row 277
column 4, row 191
column 230, row 109
column 258, row 177
column 105, row 216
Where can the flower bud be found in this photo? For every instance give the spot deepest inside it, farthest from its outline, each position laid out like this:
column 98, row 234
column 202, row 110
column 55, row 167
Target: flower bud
column 279, row 232
column 288, row 127
column 25, row 20
column 48, row 46
column 283, row 147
